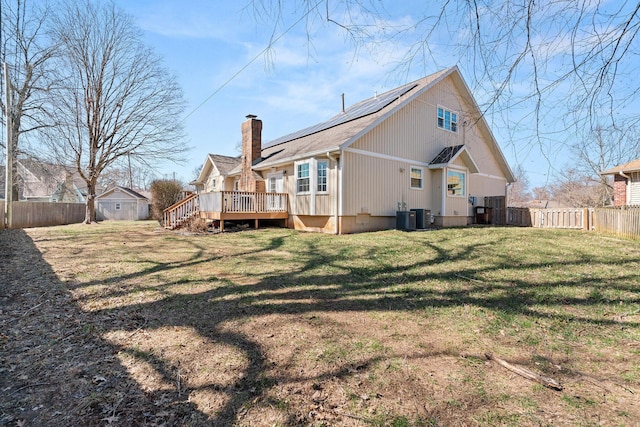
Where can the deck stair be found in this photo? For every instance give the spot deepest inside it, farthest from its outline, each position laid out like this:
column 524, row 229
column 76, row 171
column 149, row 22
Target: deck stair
column 181, row 212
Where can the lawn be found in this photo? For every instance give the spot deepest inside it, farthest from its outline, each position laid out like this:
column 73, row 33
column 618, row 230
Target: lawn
column 277, row 327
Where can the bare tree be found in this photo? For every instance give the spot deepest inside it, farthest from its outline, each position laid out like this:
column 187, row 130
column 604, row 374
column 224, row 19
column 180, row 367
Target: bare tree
column 519, row 190
column 603, row 148
column 28, row 53
column 119, row 101
column 542, row 67
column 576, row 190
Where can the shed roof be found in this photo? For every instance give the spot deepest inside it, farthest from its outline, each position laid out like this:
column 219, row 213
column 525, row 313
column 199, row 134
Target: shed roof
column 125, row 190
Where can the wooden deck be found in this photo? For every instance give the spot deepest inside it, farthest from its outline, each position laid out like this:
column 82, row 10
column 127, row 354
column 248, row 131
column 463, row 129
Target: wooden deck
column 228, row 206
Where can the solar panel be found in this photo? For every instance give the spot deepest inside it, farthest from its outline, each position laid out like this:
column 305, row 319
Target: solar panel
column 356, row 111
column 446, row 155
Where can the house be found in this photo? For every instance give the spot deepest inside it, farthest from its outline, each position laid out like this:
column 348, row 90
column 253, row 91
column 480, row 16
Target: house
column 120, row 203
column 626, row 183
column 214, row 172
column 46, row 182
column 424, row 145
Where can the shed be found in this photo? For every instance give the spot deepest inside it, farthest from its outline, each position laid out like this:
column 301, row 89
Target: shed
column 120, row 203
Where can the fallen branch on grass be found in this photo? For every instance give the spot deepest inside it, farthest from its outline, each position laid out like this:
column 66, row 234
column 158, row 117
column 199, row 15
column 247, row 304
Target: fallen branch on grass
column 545, row 381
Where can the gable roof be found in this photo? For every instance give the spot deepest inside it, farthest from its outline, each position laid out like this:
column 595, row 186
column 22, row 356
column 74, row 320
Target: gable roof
column 125, row 190
column 449, row 154
column 224, row 164
column 38, row 179
column 632, row 166
column 344, row 129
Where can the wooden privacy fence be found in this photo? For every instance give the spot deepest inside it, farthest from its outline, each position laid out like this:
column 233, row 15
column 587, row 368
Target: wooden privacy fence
column 623, row 222
column 44, row 214
column 620, row 222
column 577, row 218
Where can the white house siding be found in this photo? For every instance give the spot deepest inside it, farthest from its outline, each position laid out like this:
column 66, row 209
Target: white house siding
column 323, row 204
column 376, row 185
column 634, row 189
column 410, row 137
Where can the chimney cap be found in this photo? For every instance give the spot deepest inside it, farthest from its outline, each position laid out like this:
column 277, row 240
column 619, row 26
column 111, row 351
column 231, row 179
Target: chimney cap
column 251, row 116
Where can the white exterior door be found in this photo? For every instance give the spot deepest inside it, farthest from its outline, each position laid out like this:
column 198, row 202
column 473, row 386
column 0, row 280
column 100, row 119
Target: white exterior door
column 275, row 184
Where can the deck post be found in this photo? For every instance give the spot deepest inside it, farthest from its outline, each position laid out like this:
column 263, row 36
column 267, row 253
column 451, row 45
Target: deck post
column 257, row 222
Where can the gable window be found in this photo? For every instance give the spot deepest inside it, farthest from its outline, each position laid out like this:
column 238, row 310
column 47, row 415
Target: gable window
column 323, row 166
column 416, row 178
column 302, row 178
column 118, row 206
column 456, row 183
column 447, row 120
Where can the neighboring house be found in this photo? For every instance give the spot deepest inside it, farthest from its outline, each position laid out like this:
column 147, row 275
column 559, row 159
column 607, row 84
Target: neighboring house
column 626, row 183
column 424, row 145
column 44, row 182
column 214, row 172
column 120, row 203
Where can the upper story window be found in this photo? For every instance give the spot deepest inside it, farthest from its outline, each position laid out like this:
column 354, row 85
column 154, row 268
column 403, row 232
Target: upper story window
column 447, row 119
column 323, row 167
column 416, row 178
column 302, row 178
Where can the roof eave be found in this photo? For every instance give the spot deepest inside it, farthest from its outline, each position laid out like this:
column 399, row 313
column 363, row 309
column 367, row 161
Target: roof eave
column 288, row 160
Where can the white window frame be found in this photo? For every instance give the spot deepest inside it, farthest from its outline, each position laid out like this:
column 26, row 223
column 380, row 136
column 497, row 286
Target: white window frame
column 118, row 206
column 297, row 170
column 318, row 183
column 464, row 182
column 448, row 120
column 416, row 168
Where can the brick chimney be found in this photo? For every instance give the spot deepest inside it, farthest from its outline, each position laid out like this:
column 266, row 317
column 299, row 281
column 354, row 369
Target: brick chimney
column 251, row 150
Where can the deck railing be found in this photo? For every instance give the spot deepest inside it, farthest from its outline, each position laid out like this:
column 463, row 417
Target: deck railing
column 243, row 202
column 175, row 215
column 224, row 202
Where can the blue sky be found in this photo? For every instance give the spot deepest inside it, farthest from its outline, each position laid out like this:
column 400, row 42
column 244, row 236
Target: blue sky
column 298, row 83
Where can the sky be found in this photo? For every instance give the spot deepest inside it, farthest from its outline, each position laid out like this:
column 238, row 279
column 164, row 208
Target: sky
column 220, row 54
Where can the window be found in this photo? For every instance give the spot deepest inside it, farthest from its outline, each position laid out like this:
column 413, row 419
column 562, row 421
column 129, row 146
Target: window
column 447, row 119
column 323, row 166
column 416, row 178
column 118, row 206
column 302, row 178
column 455, row 183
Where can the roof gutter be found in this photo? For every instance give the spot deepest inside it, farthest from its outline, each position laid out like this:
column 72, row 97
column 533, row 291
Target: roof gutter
column 336, row 161
column 624, row 175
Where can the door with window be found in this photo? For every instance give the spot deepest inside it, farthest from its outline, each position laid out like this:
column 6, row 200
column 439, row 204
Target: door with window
column 275, row 184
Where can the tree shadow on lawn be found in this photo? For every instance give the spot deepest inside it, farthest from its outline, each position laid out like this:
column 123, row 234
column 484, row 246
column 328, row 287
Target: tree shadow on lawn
column 77, row 365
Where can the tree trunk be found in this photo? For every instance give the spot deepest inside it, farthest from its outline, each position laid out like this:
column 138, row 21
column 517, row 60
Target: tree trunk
column 90, row 211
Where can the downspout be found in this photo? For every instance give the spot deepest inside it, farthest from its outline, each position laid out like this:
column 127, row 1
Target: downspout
column 443, row 212
column 337, row 191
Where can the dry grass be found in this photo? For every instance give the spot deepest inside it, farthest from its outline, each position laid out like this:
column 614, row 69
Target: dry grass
column 276, row 327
